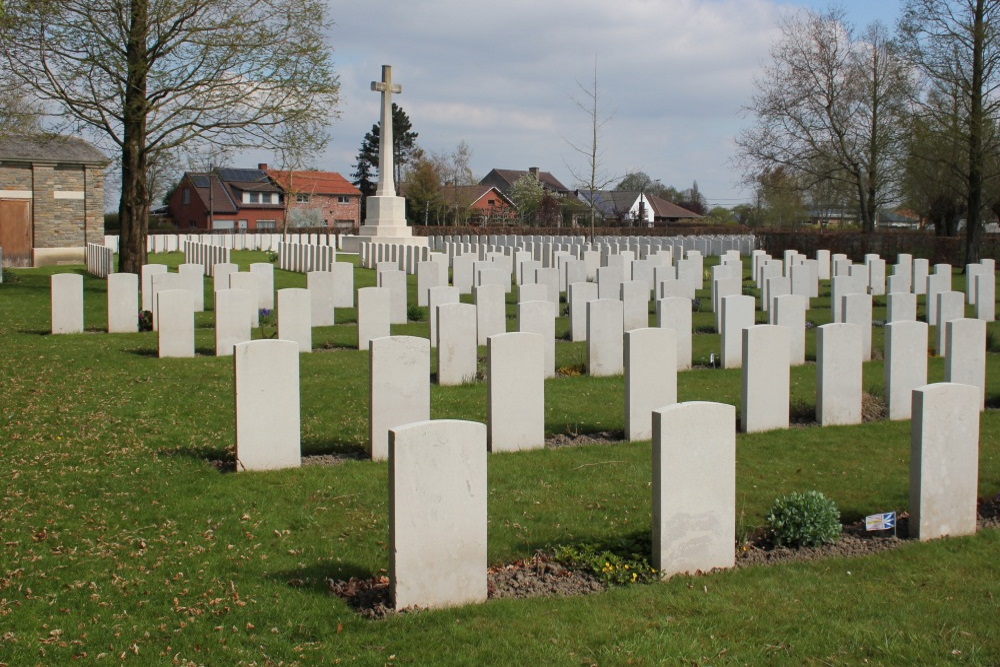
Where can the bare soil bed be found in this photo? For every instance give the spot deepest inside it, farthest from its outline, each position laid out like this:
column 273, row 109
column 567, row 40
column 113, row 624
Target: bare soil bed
column 541, row 576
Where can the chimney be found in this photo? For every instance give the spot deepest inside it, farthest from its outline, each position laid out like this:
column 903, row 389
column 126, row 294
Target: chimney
column 534, row 172
column 262, row 166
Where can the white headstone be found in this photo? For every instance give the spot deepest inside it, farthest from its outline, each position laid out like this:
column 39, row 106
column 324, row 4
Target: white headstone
column 373, row 315
column 577, row 296
column 295, row 317
column 491, row 312
column 320, row 285
column 175, row 311
column 539, row 317
column 650, row 378
column 515, row 389
column 437, row 513
column 456, row 343
column 790, row 312
column 123, row 303
column 266, row 381
column 944, row 460
column 635, row 302
column 400, row 389
column 901, row 307
column 737, row 315
column 395, row 282
column 605, row 326
column 950, row 306
column 838, row 374
column 965, row 355
column 193, row 277
column 251, row 283
column 66, row 295
column 675, row 313
column 765, row 378
column 265, row 274
column 857, row 309
column 694, row 488
column 147, row 273
column 232, row 319
column 438, row 296
column 905, row 364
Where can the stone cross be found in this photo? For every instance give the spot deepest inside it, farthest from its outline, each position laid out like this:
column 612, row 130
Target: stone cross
column 386, row 187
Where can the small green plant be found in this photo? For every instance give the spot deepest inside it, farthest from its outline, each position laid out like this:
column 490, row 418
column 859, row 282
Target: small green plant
column 614, row 568
column 416, row 313
column 145, row 320
column 268, row 321
column 10, row 277
column 272, row 256
column 803, row 520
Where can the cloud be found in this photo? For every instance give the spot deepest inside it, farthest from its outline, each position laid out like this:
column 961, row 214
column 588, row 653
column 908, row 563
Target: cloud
column 673, row 74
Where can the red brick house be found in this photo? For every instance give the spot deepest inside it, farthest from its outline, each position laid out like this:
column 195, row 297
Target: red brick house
column 227, row 199
column 481, row 204
column 319, row 198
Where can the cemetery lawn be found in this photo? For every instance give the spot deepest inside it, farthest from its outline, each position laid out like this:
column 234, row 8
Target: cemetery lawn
column 122, row 541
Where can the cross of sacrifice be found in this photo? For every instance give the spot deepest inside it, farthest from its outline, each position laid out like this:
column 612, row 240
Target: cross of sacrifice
column 386, row 186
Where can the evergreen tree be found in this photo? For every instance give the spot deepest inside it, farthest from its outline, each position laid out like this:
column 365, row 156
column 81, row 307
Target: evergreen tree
column 404, row 148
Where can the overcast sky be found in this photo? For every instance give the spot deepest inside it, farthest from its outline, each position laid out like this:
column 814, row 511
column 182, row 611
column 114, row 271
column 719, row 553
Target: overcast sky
column 672, row 74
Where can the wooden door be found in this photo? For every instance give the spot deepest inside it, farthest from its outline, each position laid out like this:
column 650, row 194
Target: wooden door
column 15, row 231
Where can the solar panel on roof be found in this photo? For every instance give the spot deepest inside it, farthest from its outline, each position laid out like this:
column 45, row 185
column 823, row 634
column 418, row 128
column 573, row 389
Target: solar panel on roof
column 200, row 180
column 243, row 175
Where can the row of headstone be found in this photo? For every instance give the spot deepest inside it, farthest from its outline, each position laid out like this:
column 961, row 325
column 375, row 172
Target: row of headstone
column 438, row 514
column 100, row 260
column 303, row 257
column 404, row 256
column 707, row 245
column 157, row 243
column 206, row 254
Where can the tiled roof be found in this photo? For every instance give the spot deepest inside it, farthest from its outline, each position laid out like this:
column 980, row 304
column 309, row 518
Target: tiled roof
column 313, row 182
column 50, row 148
column 667, row 209
column 470, row 194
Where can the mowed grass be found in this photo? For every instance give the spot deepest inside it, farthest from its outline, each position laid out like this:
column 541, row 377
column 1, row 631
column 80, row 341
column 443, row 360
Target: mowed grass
column 121, row 542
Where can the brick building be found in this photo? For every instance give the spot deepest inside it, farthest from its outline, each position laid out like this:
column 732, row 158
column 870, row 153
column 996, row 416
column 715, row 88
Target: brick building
column 255, row 199
column 51, row 199
column 319, row 198
column 227, row 199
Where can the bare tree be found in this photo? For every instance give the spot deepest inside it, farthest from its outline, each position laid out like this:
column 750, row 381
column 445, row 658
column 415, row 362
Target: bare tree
column 18, row 113
column 149, row 76
column 593, row 177
column 954, row 43
column 829, row 107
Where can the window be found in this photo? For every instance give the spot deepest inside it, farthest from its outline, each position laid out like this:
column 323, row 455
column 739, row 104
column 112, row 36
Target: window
column 343, row 199
column 266, row 224
column 302, row 198
column 254, row 197
column 186, row 196
column 491, row 202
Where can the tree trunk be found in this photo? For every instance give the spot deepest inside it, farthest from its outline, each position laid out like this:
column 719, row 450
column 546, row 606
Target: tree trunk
column 133, row 207
column 973, row 217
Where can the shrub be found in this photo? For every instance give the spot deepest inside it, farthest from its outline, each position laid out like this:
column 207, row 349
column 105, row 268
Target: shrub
column 145, row 320
column 803, row 520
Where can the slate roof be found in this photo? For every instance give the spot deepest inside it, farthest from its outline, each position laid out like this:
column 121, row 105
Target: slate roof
column 228, row 184
column 499, row 177
column 50, row 148
column 314, row 182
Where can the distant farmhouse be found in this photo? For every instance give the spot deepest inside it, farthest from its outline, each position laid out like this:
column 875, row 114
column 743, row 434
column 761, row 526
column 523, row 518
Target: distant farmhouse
column 228, row 199
column 480, row 204
column 51, row 199
column 504, row 179
column 637, row 208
